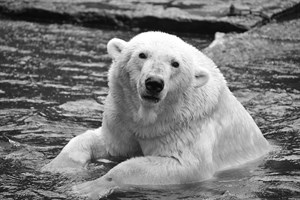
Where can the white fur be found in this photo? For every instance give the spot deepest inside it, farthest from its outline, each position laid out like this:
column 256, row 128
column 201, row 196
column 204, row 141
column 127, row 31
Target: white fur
column 197, row 128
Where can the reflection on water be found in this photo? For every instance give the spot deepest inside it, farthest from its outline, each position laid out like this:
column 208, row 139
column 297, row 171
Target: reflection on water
column 52, row 85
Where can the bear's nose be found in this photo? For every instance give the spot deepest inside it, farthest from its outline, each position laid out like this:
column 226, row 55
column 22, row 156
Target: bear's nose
column 154, row 84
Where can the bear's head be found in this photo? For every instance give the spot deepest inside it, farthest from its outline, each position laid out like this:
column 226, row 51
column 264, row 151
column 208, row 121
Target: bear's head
column 157, row 69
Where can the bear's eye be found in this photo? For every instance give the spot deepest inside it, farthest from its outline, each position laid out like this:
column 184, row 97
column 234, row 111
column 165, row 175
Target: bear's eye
column 175, row 64
column 142, row 56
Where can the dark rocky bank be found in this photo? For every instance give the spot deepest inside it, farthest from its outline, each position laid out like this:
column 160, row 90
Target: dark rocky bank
column 190, row 16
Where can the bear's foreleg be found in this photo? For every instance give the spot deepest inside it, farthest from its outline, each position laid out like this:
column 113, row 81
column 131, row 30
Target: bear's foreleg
column 140, row 172
column 78, row 152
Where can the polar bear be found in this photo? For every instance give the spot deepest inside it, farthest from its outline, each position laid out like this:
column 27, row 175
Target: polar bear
column 170, row 112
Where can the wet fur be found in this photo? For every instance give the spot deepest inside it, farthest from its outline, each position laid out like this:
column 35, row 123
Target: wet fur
column 197, row 128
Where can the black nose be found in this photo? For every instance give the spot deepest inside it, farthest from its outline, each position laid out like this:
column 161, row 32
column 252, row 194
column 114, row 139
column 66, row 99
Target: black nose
column 154, row 84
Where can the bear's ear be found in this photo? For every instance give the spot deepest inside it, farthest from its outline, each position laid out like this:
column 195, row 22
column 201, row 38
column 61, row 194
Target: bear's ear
column 201, row 77
column 115, row 47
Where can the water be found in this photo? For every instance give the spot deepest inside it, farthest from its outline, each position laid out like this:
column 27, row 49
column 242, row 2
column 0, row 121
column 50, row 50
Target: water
column 52, row 86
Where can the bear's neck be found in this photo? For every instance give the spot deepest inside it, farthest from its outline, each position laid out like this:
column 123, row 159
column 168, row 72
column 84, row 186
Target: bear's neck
column 158, row 121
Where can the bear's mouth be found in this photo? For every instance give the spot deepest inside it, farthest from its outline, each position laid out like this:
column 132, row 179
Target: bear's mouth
column 150, row 98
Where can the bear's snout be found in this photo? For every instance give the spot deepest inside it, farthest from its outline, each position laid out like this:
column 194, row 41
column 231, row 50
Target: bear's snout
column 154, row 85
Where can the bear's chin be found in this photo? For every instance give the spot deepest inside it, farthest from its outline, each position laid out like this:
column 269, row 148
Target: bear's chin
column 146, row 115
column 147, row 111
